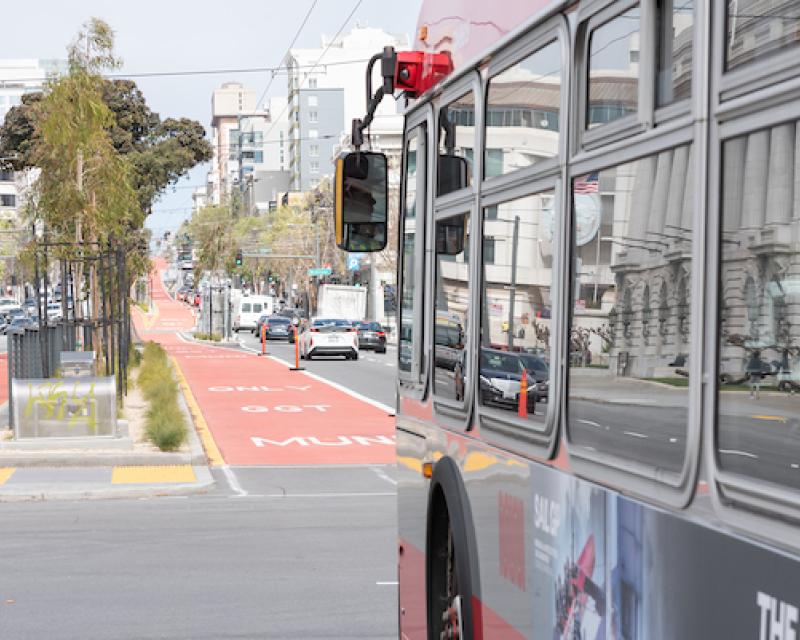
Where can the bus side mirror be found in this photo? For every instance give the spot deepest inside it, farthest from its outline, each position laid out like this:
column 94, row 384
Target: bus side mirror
column 361, row 201
column 452, row 174
column 451, row 235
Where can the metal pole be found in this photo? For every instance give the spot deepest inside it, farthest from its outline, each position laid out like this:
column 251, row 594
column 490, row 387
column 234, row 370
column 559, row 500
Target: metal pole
column 513, row 287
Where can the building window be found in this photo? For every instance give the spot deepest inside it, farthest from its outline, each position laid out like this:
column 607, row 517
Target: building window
column 6, row 176
column 313, row 133
column 8, row 200
column 258, row 137
column 313, row 101
column 313, row 116
column 313, row 150
column 258, row 157
column 312, row 83
column 314, row 182
column 313, row 166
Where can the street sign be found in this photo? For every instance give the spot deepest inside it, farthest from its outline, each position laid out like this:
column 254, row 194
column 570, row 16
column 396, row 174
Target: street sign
column 354, row 262
column 320, row 271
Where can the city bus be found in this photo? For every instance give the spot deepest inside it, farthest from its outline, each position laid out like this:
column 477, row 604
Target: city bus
column 613, row 186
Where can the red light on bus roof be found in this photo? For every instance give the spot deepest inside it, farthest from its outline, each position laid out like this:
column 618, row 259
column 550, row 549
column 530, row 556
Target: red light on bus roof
column 418, row 71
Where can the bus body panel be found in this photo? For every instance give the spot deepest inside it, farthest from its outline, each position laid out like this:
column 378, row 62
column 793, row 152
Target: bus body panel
column 559, row 555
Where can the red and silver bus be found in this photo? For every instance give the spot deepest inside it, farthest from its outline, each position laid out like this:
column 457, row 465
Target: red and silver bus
column 598, row 431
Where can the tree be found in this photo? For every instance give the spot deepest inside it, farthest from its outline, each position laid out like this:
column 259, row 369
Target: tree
column 211, row 230
column 160, row 152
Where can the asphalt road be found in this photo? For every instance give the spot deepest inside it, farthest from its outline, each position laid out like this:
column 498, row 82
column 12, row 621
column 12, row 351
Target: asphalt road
column 278, row 549
column 281, row 562
column 372, row 375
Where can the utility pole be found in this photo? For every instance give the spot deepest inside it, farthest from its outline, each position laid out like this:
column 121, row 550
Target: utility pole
column 513, row 287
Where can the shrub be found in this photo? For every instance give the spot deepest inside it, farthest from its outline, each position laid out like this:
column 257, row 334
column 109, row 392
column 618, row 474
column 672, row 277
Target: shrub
column 165, row 424
column 214, row 337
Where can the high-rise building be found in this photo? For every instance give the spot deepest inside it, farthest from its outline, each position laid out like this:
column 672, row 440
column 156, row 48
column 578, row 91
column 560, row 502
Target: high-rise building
column 250, row 145
column 228, row 104
column 18, row 77
column 324, row 98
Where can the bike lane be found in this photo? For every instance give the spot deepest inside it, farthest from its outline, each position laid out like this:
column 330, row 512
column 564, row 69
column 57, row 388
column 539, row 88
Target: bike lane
column 261, row 413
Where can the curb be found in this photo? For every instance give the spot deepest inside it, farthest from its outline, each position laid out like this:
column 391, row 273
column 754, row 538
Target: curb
column 113, row 492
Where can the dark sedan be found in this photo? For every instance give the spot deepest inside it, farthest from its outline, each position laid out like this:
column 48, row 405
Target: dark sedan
column 371, row 336
column 537, row 369
column 279, row 328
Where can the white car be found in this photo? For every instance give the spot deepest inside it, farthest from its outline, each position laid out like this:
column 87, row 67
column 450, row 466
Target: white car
column 329, row 337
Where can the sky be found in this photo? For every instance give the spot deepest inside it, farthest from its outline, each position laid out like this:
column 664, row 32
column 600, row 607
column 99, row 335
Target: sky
column 182, row 35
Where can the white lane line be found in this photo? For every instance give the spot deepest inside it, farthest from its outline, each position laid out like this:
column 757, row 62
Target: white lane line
column 384, row 476
column 590, row 423
column 315, row 466
column 794, row 465
column 635, row 434
column 377, row 494
column 673, row 440
column 736, row 452
column 387, row 583
column 336, row 385
column 233, row 482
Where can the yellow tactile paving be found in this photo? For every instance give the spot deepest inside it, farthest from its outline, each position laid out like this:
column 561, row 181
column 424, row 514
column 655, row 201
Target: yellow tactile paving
column 212, row 451
column 153, row 474
column 6, row 473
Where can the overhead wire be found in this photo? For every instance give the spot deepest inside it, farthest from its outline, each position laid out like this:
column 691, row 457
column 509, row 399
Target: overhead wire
column 314, row 66
column 288, row 49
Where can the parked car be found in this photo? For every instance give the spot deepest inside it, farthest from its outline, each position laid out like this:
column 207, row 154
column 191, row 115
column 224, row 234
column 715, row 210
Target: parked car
column 183, row 293
column 371, row 335
column 9, row 313
column 54, row 311
column 537, row 369
column 500, row 377
column 329, row 337
column 20, row 324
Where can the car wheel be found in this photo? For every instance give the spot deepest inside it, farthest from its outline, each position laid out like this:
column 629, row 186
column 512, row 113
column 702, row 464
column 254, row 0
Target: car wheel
column 355, row 355
column 382, row 350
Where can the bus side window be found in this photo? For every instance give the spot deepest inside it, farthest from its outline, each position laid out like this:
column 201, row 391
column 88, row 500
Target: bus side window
column 451, row 305
column 456, row 140
column 758, row 409
column 516, row 307
column 630, row 328
column 409, row 357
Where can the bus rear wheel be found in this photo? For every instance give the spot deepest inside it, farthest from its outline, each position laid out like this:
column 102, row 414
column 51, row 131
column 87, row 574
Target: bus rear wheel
column 448, row 592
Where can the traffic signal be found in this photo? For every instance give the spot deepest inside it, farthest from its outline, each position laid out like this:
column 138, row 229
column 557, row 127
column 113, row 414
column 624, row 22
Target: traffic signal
column 239, row 258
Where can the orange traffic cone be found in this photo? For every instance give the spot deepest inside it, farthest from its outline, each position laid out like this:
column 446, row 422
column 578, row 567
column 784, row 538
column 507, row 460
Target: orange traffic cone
column 522, row 406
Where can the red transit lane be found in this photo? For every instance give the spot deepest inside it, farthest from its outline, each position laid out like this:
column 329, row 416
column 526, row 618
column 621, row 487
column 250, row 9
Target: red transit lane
column 261, row 413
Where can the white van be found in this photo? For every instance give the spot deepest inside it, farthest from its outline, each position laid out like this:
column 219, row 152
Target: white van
column 250, row 309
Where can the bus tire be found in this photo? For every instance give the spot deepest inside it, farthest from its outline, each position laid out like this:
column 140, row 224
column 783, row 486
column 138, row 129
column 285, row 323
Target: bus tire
column 452, row 579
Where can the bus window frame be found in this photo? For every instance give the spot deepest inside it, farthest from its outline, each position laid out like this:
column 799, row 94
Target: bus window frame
column 555, row 30
column 414, row 383
column 544, row 176
column 451, row 414
column 752, row 505
column 752, row 76
column 591, row 18
column 529, row 439
column 669, row 489
column 679, row 108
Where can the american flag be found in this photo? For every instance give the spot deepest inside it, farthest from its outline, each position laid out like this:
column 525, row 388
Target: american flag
column 586, row 184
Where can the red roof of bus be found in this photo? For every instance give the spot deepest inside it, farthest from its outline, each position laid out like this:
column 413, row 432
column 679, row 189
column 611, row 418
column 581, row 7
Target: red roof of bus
column 466, row 28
